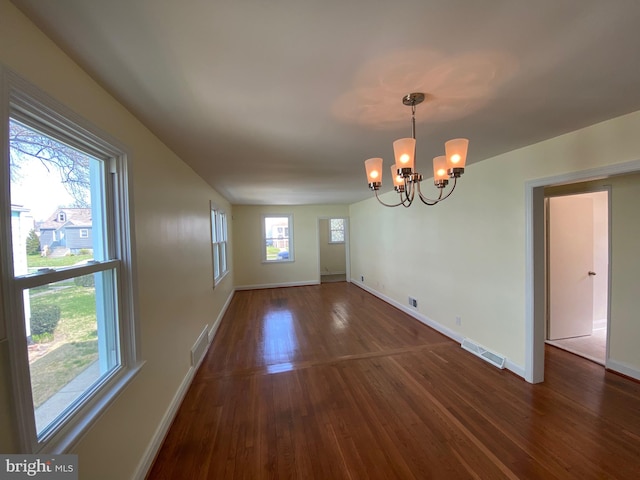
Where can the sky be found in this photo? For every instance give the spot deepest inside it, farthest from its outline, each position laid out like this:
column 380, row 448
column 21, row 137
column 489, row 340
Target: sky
column 39, row 190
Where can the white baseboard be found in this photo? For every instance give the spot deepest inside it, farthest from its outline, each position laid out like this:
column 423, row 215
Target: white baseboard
column 623, row 368
column 515, row 368
column 452, row 334
column 214, row 328
column 333, row 273
column 278, row 285
column 159, row 435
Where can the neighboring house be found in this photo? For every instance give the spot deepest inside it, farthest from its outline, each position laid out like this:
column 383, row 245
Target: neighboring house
column 21, row 225
column 280, row 235
column 69, row 228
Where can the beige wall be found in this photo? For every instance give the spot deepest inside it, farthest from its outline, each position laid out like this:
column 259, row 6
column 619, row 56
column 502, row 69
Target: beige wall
column 250, row 272
column 332, row 255
column 172, row 241
column 466, row 257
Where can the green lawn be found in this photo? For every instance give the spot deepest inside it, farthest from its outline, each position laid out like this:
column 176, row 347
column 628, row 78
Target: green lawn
column 75, row 344
column 36, row 261
column 58, row 367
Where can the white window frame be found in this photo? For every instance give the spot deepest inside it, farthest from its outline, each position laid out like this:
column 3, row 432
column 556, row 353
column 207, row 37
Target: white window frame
column 84, row 233
column 24, row 101
column 263, row 238
column 331, row 230
column 219, row 243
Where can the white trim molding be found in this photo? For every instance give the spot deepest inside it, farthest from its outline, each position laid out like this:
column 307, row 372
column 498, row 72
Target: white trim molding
column 452, row 334
column 278, row 285
column 535, row 316
column 159, row 435
column 623, row 368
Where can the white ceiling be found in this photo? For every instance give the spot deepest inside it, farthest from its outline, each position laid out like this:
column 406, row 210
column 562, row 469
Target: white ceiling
column 280, row 102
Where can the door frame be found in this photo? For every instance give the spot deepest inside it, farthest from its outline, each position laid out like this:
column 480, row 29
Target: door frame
column 535, row 305
column 346, row 244
column 579, row 190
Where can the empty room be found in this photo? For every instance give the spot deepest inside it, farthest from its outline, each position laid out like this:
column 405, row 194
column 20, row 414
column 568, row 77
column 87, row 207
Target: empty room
column 332, row 240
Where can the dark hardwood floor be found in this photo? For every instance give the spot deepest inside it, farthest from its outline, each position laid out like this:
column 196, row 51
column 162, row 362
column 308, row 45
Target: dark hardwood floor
column 329, row 382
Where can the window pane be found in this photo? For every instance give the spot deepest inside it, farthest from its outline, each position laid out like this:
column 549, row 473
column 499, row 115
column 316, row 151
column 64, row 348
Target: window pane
column 276, row 230
column 218, row 240
column 337, row 236
column 54, row 222
column 216, row 260
column 214, row 226
column 336, row 228
column 337, row 223
column 223, row 233
column 223, row 257
column 72, row 329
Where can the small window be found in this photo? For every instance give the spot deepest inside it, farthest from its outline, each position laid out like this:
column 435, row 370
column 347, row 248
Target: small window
column 336, row 230
column 62, row 217
column 218, row 243
column 84, row 233
column 276, row 238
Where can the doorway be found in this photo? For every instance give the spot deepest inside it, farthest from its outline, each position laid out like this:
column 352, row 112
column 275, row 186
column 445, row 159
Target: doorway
column 577, row 259
column 333, row 249
column 535, row 271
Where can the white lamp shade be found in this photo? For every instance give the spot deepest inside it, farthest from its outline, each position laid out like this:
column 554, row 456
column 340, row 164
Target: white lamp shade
column 440, row 168
column 397, row 179
column 404, row 150
column 374, row 170
column 456, row 151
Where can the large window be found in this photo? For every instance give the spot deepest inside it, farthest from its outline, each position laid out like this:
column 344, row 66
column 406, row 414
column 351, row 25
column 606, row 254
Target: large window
column 67, row 268
column 218, row 243
column 277, row 238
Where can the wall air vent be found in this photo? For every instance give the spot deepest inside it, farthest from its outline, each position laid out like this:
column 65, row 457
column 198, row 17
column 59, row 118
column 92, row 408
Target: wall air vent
column 480, row 351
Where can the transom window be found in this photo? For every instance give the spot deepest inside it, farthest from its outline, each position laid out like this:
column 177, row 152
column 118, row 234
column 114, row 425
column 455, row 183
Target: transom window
column 69, row 278
column 277, row 238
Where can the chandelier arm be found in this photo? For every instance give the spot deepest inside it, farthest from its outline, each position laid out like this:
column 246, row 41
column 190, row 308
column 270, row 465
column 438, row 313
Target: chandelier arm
column 386, row 204
column 431, row 202
column 410, row 191
column 405, row 192
column 405, row 200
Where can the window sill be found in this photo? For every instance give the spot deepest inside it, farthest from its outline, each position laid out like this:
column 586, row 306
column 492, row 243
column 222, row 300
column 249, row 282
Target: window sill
column 67, row 437
column 217, row 281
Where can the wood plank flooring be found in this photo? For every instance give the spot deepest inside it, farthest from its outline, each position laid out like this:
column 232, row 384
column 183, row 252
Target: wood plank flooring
column 329, row 382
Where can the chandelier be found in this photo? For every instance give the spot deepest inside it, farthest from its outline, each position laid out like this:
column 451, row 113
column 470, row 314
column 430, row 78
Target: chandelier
column 406, row 181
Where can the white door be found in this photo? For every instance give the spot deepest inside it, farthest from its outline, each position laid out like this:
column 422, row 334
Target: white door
column 570, row 266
